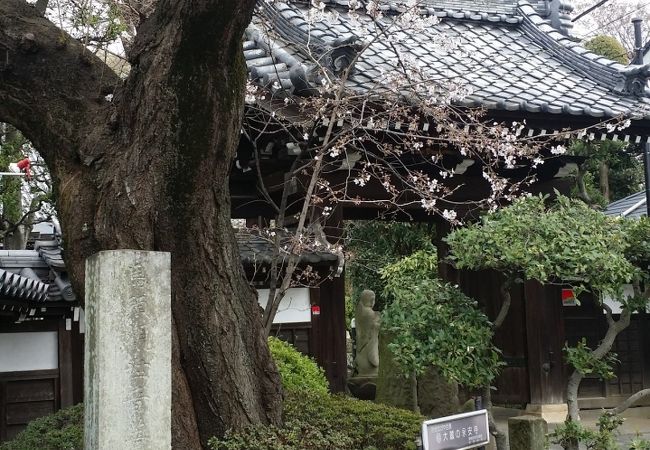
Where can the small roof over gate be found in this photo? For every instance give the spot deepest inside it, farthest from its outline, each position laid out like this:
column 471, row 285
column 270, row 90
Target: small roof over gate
column 631, row 207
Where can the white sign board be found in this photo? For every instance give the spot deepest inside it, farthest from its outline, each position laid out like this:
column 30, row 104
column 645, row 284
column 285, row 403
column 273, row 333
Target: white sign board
column 459, row 432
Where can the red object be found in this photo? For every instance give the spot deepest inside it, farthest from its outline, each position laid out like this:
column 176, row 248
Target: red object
column 315, row 310
column 568, row 296
column 25, row 166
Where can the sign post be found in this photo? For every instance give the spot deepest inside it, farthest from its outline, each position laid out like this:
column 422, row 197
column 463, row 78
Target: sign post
column 459, row 432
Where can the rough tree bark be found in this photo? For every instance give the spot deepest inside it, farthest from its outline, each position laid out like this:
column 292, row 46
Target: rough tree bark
column 582, row 187
column 149, row 170
column 506, row 300
column 603, row 180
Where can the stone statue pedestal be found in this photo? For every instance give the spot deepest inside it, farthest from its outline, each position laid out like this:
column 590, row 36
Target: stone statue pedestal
column 363, row 384
column 363, row 388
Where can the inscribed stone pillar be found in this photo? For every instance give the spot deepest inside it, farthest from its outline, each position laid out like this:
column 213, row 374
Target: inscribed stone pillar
column 127, row 368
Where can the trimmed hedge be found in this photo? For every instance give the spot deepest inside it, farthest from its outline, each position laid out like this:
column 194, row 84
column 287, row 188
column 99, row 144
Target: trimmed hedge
column 329, row 422
column 314, row 419
column 63, row 430
column 298, row 372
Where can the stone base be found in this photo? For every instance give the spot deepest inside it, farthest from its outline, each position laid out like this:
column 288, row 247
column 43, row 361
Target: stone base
column 551, row 413
column 527, row 433
column 436, row 396
column 363, row 388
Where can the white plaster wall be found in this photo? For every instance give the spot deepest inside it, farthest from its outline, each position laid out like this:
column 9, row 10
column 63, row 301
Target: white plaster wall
column 628, row 291
column 295, row 307
column 29, row 351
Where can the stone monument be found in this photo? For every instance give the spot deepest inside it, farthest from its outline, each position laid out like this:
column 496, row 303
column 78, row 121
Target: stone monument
column 367, row 322
column 436, row 396
column 127, row 368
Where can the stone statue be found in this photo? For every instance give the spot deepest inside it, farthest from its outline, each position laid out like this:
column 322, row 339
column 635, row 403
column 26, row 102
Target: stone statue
column 367, row 326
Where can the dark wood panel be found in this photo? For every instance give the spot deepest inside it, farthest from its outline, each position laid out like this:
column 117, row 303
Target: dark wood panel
column 296, row 335
column 330, row 326
column 25, row 396
column 485, row 287
column 29, row 375
column 631, row 347
column 23, row 413
column 65, row 365
column 545, row 340
column 12, row 431
column 3, row 410
column 512, row 387
column 592, row 387
column 77, row 364
column 30, row 391
column 29, row 326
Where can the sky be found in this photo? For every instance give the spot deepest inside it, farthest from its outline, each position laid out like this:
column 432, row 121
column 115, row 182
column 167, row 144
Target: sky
column 620, row 12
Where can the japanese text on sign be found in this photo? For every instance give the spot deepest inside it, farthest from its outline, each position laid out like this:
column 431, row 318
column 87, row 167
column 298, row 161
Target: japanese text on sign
column 459, row 432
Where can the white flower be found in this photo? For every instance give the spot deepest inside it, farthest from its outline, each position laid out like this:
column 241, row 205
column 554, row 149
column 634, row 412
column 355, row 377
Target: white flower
column 558, row 150
column 362, row 179
column 427, row 204
column 449, row 215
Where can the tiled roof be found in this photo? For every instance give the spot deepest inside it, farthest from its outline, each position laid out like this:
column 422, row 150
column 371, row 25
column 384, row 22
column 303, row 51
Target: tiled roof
column 35, row 275
column 631, row 207
column 31, row 279
column 256, row 250
column 512, row 58
column 495, row 9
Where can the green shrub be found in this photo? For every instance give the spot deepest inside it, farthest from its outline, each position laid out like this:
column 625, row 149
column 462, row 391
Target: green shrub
column 609, row 47
column 62, row 430
column 433, row 324
column 327, row 422
column 298, row 372
column 639, row 443
column 571, row 433
column 313, row 421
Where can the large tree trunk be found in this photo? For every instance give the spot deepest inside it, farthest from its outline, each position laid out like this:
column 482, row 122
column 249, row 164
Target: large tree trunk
column 149, row 171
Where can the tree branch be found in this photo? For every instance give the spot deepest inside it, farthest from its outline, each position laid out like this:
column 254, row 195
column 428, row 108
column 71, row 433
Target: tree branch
column 41, row 6
column 506, row 301
column 631, row 400
column 582, row 187
column 50, row 85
